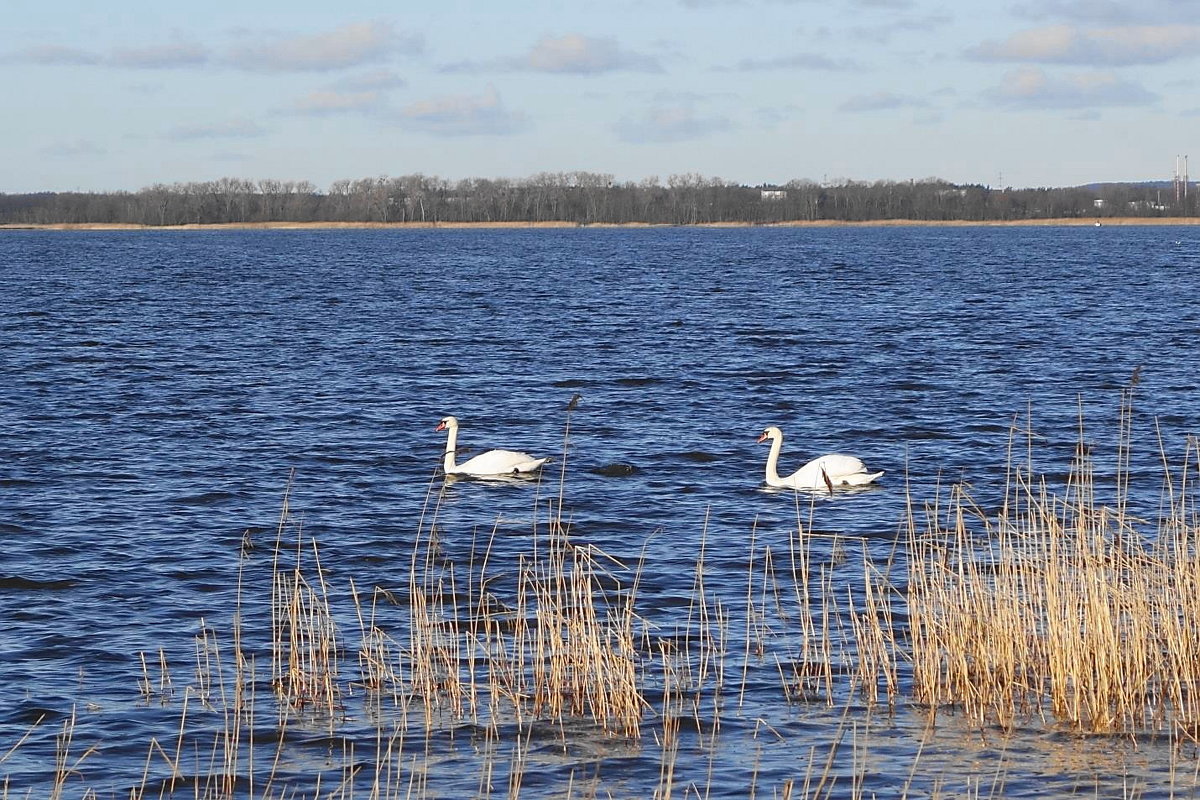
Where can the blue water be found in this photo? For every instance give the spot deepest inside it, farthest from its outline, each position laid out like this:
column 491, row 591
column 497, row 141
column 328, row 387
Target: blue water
column 162, row 390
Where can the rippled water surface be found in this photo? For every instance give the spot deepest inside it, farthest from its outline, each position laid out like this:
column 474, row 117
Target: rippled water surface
column 160, row 389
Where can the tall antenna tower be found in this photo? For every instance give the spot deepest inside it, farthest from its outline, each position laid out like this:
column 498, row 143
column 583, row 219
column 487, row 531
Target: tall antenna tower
column 1181, row 180
column 1175, row 182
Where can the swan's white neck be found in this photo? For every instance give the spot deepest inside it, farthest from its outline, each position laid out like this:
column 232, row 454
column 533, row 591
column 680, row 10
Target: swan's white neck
column 448, row 465
column 773, row 461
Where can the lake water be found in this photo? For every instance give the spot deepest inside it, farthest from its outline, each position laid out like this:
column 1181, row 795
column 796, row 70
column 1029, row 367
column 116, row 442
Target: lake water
column 161, row 389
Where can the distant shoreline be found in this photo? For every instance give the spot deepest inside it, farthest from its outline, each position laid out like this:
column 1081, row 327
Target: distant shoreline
column 881, row 223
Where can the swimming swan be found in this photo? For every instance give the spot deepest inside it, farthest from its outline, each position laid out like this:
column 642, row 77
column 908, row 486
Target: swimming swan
column 491, row 463
column 824, row 472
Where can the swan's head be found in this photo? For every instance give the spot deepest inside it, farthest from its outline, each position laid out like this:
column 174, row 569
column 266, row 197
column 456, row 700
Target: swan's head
column 770, row 433
column 447, row 423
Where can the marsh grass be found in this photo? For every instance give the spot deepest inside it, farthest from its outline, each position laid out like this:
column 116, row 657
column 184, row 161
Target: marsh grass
column 304, row 645
column 1061, row 608
column 66, row 762
column 1054, row 611
column 562, row 646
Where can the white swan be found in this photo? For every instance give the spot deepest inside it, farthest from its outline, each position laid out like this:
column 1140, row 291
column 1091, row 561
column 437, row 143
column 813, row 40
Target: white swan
column 491, row 463
column 824, row 472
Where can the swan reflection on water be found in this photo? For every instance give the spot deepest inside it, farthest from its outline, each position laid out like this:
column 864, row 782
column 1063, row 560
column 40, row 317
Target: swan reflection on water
column 512, row 479
column 822, row 492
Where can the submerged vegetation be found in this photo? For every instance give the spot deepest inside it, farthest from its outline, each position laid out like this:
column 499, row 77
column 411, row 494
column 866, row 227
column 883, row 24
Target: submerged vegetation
column 587, row 198
column 1054, row 612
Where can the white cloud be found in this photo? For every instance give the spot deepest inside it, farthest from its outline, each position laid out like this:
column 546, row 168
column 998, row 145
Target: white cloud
column 586, row 55
column 891, row 4
column 1121, row 46
column 233, row 129
column 325, row 103
column 771, row 116
column 669, row 122
column 735, row 3
column 880, row 101
column 352, row 45
column 379, row 80
column 570, row 54
column 1031, row 88
column 180, row 54
column 73, row 149
column 1111, row 12
column 809, row 61
column 51, row 54
column 884, row 33
column 463, row 115
column 360, row 93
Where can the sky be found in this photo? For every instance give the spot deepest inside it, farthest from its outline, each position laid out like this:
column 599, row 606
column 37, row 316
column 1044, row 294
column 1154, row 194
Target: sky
column 1021, row 93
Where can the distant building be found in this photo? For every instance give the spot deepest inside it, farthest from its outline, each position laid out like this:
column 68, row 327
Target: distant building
column 773, row 195
column 1098, row 202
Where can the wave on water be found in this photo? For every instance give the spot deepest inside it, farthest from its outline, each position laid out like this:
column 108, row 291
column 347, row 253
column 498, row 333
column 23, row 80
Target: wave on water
column 180, row 398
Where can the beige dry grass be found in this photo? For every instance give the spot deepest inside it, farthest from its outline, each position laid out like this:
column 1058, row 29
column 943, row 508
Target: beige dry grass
column 1060, row 608
column 304, row 642
column 563, row 648
column 1052, row 608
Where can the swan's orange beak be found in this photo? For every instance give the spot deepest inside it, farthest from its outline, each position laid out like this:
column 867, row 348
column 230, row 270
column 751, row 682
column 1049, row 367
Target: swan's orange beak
column 441, row 426
column 761, row 437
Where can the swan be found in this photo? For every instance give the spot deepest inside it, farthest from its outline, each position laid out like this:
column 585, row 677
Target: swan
column 491, row 463
column 826, row 471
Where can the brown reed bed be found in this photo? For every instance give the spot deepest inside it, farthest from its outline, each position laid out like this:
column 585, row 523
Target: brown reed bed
column 562, row 647
column 304, row 635
column 1054, row 610
column 1060, row 608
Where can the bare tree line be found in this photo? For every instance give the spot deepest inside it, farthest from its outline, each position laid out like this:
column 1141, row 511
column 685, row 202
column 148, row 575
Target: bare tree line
column 583, row 198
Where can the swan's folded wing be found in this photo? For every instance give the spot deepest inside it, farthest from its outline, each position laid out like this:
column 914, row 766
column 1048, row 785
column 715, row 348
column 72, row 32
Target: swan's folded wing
column 499, row 462
column 530, row 466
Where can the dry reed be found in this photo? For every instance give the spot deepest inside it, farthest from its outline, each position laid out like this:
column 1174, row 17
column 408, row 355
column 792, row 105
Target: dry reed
column 304, row 664
column 562, row 648
column 1059, row 607
column 1055, row 607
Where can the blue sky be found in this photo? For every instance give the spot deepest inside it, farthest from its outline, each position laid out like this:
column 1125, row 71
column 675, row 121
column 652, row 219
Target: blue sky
column 119, row 96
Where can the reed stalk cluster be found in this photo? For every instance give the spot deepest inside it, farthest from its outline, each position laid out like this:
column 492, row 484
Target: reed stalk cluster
column 561, row 646
column 1060, row 607
column 1053, row 608
column 304, row 641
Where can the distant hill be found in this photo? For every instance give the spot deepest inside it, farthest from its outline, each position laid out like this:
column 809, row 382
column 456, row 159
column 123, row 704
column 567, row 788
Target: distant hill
column 1095, row 187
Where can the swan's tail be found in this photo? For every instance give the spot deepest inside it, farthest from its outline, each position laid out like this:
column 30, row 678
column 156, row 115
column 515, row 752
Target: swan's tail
column 860, row 478
column 529, row 466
